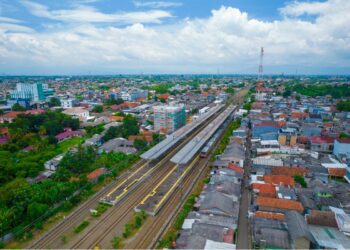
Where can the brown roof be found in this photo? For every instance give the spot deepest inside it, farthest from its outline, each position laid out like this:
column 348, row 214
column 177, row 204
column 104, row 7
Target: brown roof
column 96, row 173
column 235, row 168
column 279, row 203
column 270, row 215
column 322, row 218
column 289, row 171
column 279, row 180
column 266, row 190
column 337, row 172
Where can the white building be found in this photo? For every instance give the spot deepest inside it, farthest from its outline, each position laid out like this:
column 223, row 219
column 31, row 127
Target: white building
column 78, row 112
column 68, row 103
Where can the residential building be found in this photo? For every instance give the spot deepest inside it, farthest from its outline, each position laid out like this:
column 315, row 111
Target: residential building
column 167, row 119
column 342, row 147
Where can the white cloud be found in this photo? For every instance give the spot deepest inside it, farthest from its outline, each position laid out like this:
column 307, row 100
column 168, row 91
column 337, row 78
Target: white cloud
column 228, row 39
column 88, row 14
column 9, row 20
column 157, row 4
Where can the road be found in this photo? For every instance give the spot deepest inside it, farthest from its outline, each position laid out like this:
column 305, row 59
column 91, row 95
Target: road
column 243, row 241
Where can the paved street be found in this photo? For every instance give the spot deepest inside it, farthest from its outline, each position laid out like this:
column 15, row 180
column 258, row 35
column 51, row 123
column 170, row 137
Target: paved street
column 244, row 241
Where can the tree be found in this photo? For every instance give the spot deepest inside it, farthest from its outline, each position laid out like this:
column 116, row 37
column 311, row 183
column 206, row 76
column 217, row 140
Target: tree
column 343, row 106
column 54, row 102
column 130, row 126
column 287, row 93
column 97, row 109
column 35, row 210
column 112, row 101
column 140, row 144
column 162, row 100
column 112, row 132
column 17, row 107
column 230, row 90
column 247, row 106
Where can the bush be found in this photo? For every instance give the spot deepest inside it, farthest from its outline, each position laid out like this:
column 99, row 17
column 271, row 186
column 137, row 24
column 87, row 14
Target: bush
column 116, row 242
column 81, row 227
column 127, row 230
column 38, row 225
column 300, row 179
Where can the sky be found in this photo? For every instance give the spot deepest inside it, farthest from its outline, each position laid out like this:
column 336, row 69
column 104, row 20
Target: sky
column 69, row 37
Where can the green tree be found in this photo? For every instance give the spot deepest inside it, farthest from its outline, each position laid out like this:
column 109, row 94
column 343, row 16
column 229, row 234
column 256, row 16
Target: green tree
column 17, row 107
column 130, row 126
column 54, row 102
column 343, row 106
column 230, row 90
column 97, row 109
column 35, row 210
column 140, row 144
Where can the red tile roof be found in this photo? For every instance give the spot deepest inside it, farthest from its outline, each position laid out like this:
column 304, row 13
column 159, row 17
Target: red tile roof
column 289, row 171
column 235, row 168
column 279, row 180
column 321, row 140
column 266, row 190
column 270, row 215
column 279, row 203
column 337, row 172
column 96, row 173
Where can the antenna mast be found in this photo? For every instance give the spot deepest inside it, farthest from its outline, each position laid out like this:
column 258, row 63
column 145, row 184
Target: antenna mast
column 260, row 75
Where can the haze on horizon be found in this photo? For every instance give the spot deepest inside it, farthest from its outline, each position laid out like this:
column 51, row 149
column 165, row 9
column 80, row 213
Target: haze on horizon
column 65, row 37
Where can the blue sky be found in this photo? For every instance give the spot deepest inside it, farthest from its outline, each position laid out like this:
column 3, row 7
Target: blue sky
column 174, row 36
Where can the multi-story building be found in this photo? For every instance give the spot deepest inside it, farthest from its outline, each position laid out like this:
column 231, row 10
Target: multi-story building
column 33, row 92
column 169, row 118
column 68, row 103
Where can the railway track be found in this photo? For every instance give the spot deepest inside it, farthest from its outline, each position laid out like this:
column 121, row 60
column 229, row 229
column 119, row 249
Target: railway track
column 95, row 235
column 102, row 233
column 78, row 214
column 148, row 238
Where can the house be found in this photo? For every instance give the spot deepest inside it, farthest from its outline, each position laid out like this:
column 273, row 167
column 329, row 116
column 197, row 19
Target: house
column 95, row 140
column 94, row 175
column 321, row 144
column 298, row 230
column 68, row 133
column 264, row 190
column 342, row 147
column 78, row 112
column 278, row 205
column 269, row 215
column 217, row 203
column 53, row 163
column 288, row 171
column 281, row 180
column 234, row 153
column 118, row 145
column 270, row 233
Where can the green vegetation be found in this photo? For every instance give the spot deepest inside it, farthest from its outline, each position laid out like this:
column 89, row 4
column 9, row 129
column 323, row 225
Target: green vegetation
column 226, row 138
column 343, row 106
column 336, row 91
column 136, row 223
column 129, row 127
column 54, row 102
column 81, row 226
column 91, row 130
column 101, row 208
column 247, row 106
column 97, row 109
column 17, row 107
column 112, row 101
column 344, row 135
column 161, row 88
column 230, row 90
column 116, row 242
column 300, row 179
column 64, row 239
column 140, row 144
